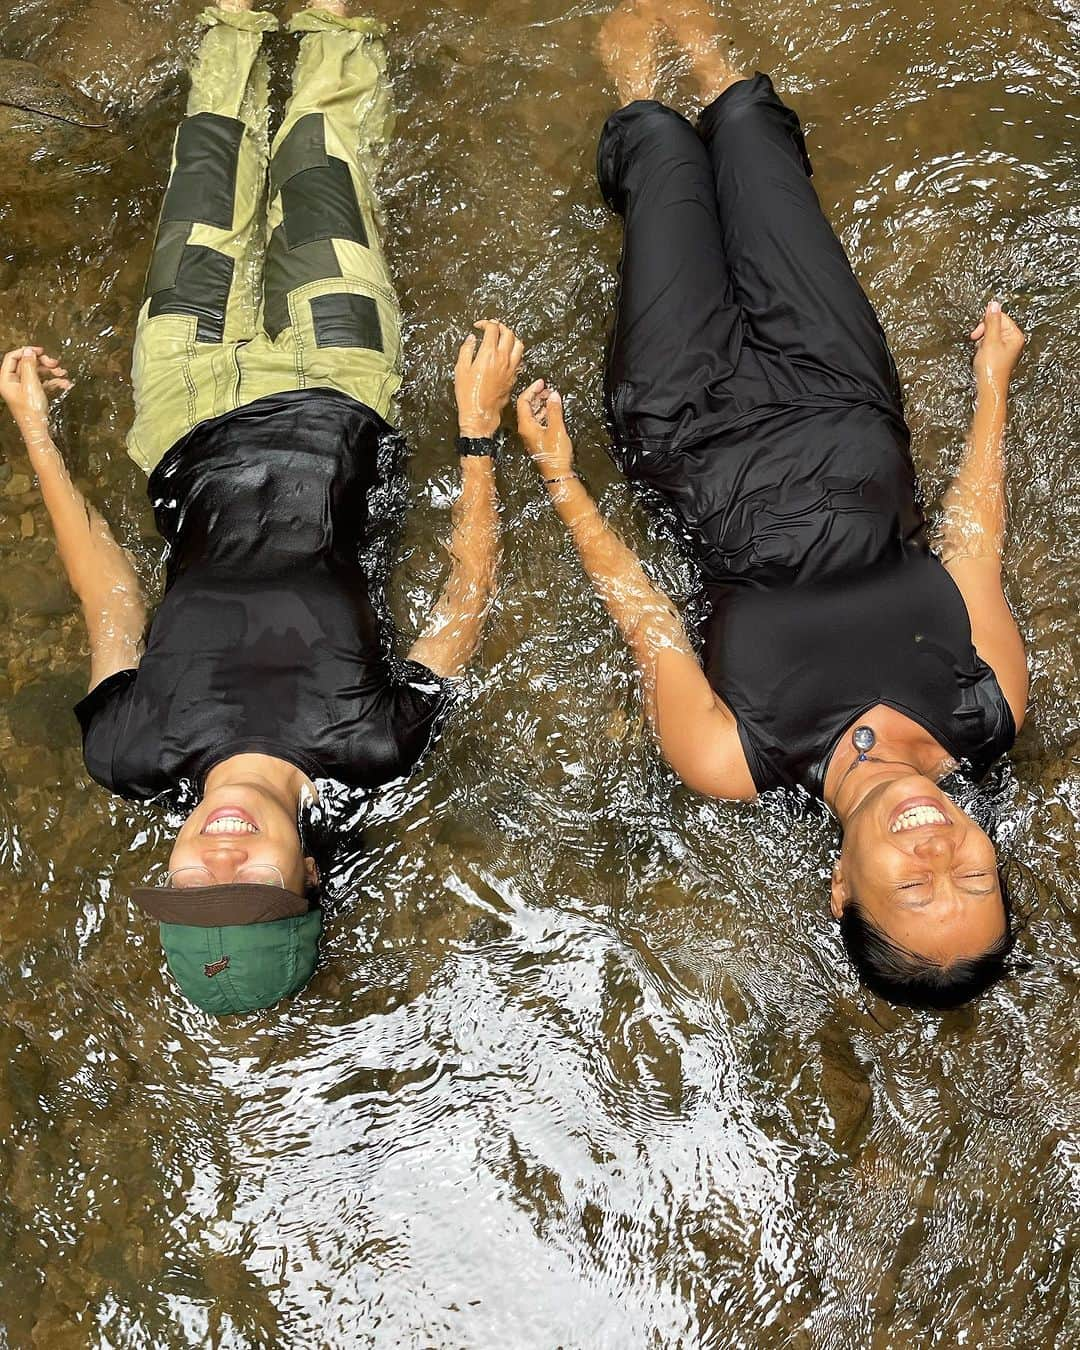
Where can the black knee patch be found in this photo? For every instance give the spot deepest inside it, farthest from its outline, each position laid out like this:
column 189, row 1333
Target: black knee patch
column 303, row 148
column 287, row 268
column 172, row 237
column 203, row 183
column 320, row 203
column 200, row 286
column 347, row 321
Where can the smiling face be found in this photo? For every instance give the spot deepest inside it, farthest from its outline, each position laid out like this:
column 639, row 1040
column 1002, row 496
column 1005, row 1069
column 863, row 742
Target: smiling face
column 235, row 831
column 922, row 871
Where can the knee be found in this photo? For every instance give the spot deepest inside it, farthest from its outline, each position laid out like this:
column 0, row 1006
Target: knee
column 630, row 136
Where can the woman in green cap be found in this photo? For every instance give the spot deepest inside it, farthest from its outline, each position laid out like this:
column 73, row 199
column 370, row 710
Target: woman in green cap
column 259, row 413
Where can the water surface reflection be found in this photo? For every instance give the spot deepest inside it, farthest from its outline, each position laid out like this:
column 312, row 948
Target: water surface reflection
column 583, row 1066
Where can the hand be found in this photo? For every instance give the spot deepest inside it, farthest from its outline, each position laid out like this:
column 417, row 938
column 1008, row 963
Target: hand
column 543, row 429
column 484, row 376
column 27, row 377
column 999, row 343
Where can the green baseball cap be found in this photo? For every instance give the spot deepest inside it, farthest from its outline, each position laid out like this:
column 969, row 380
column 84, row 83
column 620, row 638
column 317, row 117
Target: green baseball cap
column 234, row 949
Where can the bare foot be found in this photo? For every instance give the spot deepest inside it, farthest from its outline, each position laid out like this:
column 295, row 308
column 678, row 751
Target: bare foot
column 627, row 47
column 691, row 24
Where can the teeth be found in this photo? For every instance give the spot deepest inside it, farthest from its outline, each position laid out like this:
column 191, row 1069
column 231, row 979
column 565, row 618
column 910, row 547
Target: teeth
column 230, row 825
column 919, row 815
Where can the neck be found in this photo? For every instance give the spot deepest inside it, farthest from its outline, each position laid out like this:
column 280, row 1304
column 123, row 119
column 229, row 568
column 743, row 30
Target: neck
column 855, row 784
column 848, row 781
column 277, row 777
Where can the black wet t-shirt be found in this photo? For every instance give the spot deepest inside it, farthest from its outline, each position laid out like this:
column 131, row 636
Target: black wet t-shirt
column 265, row 639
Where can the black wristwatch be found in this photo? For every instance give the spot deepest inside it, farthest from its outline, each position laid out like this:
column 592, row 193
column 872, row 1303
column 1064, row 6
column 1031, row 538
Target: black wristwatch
column 479, row 445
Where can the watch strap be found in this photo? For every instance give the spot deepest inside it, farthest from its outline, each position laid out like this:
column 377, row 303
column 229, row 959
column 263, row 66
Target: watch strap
column 478, row 445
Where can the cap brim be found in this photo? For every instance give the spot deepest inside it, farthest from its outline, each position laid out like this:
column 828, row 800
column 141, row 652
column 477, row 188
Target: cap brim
column 220, row 906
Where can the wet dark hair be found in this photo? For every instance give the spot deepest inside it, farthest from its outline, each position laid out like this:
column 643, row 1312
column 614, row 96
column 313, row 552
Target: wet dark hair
column 914, row 981
column 316, row 842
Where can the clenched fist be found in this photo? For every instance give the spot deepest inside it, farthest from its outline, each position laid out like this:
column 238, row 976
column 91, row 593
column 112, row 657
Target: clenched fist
column 999, row 343
column 484, row 376
column 543, row 429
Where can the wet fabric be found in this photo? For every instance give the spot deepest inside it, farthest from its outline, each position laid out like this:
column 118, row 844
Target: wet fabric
column 799, row 664
column 208, row 338
column 750, row 384
column 265, row 639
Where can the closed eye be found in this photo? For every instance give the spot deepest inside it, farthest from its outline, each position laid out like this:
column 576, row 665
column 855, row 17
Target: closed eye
column 978, row 890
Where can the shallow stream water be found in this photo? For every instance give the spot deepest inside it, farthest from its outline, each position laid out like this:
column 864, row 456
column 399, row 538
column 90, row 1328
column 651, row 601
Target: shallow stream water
column 583, row 1065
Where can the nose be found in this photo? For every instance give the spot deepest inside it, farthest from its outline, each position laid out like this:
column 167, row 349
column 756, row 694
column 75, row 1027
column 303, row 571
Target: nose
column 936, row 845
column 225, row 855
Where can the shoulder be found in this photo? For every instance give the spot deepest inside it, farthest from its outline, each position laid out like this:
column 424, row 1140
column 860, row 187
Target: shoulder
column 105, row 716
column 399, row 725
column 995, row 635
column 715, row 763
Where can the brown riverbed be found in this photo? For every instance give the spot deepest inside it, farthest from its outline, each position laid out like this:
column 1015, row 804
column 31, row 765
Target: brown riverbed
column 583, row 1066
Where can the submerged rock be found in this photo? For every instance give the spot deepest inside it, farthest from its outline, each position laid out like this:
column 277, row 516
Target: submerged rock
column 29, row 589
column 30, row 89
column 48, row 131
column 123, row 55
column 40, row 713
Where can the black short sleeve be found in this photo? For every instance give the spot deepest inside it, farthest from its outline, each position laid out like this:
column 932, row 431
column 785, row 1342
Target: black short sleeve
column 102, row 715
column 415, row 706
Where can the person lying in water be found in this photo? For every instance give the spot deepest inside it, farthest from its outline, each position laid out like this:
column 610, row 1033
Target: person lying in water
column 258, row 418
column 750, row 384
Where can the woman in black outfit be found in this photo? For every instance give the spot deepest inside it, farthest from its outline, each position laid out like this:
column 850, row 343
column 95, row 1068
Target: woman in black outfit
column 749, row 383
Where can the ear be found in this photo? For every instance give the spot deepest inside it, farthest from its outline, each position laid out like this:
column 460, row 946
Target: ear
column 840, row 894
column 311, row 872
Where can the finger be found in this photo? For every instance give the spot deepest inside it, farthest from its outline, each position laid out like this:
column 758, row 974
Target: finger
column 978, row 332
column 556, row 420
column 10, row 364
column 28, row 371
column 507, row 338
column 467, row 350
column 1010, row 327
column 44, row 360
column 993, row 318
column 491, row 335
column 527, row 404
column 517, row 353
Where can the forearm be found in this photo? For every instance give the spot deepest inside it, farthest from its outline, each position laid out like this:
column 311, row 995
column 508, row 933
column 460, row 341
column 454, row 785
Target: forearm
column 453, row 634
column 99, row 570
column 644, row 616
column 973, row 524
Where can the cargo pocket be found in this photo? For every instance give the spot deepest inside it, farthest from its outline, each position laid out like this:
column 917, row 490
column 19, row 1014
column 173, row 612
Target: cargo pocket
column 343, row 320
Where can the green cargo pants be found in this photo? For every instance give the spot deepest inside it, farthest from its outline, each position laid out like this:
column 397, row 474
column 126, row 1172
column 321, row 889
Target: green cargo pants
column 226, row 321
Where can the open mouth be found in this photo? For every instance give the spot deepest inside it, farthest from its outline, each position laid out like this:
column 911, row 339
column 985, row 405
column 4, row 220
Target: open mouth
column 916, row 815
column 230, row 820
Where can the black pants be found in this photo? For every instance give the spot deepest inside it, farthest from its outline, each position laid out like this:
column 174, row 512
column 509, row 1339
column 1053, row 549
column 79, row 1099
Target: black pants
column 735, row 294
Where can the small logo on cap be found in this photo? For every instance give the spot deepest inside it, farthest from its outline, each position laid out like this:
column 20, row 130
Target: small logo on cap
column 216, row 968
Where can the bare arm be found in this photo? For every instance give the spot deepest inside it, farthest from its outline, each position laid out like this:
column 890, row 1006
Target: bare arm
column 99, row 570
column 696, row 730
column 973, row 526
column 483, row 378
